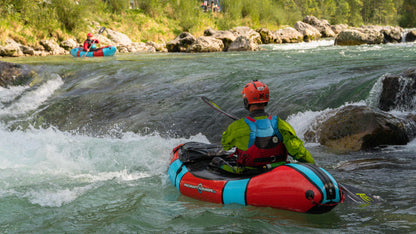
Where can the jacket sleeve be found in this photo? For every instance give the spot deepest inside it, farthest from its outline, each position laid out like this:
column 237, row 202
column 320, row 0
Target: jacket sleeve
column 293, row 144
column 236, row 135
column 85, row 45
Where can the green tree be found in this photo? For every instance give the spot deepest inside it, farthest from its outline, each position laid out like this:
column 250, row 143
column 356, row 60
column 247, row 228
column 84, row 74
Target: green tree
column 408, row 14
column 355, row 17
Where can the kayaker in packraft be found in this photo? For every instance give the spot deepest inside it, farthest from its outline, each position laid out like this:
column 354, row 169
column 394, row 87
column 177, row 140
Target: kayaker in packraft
column 262, row 139
column 90, row 44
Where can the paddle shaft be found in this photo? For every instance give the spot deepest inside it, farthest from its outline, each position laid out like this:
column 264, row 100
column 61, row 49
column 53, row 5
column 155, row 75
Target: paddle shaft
column 351, row 193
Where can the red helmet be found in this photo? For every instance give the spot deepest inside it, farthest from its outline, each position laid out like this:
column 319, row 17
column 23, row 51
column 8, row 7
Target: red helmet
column 89, row 35
column 255, row 92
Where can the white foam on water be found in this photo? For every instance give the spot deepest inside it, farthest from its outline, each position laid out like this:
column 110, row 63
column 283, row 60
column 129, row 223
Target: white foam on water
column 302, row 45
column 10, row 93
column 51, row 168
column 32, row 99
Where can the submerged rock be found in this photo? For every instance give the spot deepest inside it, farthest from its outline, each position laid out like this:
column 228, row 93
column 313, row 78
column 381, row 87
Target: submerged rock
column 354, row 128
column 14, row 74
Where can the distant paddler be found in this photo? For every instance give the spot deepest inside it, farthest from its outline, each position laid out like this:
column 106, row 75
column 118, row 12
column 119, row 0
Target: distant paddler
column 90, row 43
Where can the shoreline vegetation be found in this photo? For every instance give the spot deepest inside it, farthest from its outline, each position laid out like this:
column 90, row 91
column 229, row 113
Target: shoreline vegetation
column 54, row 27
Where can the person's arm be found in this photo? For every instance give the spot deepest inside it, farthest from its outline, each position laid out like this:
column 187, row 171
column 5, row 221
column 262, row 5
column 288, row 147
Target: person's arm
column 293, row 144
column 85, row 45
column 236, row 135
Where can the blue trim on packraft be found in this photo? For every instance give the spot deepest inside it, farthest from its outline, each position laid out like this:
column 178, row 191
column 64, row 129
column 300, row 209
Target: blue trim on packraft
column 315, row 179
column 108, row 51
column 337, row 198
column 235, row 192
column 263, row 128
column 174, row 176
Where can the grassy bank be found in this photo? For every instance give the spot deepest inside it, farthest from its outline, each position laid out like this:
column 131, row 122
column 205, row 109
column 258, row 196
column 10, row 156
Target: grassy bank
column 29, row 21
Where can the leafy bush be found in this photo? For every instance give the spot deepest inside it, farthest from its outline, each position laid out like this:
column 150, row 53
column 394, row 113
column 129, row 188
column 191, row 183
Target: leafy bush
column 117, row 6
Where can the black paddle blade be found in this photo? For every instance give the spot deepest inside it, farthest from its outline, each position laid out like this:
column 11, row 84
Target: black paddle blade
column 217, row 108
column 355, row 195
column 101, row 30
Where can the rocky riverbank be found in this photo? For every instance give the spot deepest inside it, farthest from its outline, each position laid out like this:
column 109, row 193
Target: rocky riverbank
column 236, row 39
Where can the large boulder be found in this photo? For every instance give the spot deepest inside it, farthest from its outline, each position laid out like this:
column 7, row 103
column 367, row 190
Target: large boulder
column 181, row 43
column 322, row 25
column 354, row 128
column 227, row 37
column 411, row 36
column 289, row 35
column 359, row 37
column 27, row 50
column 118, row 38
column 309, row 32
column 243, row 43
column 268, row 37
column 399, row 91
column 338, row 28
column 207, row 44
column 14, row 74
column 159, row 47
column 12, row 49
column 69, row 44
column 247, row 32
column 392, row 34
column 136, row 47
column 52, row 47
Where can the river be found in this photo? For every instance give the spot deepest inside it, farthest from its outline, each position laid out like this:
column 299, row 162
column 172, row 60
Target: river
column 85, row 147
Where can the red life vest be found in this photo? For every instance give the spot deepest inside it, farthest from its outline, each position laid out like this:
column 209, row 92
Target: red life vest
column 265, row 143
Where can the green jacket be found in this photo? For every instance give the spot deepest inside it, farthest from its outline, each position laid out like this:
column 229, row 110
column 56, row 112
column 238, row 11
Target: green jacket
column 237, row 135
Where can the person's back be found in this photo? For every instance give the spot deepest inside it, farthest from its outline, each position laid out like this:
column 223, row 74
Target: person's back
column 260, row 138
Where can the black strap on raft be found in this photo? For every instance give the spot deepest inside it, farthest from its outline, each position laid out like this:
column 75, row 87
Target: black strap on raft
column 329, row 186
column 271, row 159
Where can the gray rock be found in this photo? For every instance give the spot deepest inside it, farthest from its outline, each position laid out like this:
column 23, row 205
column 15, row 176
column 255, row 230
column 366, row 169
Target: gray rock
column 247, row 32
column 354, row 128
column 243, row 43
column 289, row 35
column 118, row 38
column 322, row 25
column 309, row 32
column 359, row 36
column 52, row 47
column 207, row 44
column 181, row 43
column 411, row 36
column 69, row 44
column 399, row 91
column 227, row 37
column 268, row 36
